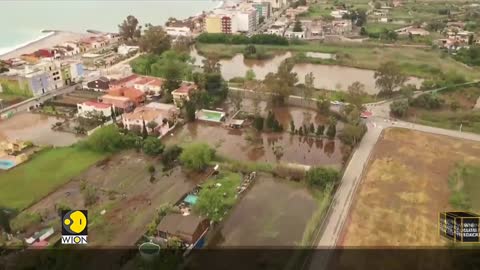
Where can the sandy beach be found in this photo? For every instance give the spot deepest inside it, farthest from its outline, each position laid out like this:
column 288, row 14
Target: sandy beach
column 57, row 38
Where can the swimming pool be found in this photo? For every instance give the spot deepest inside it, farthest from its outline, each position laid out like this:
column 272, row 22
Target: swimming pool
column 6, row 164
column 209, row 115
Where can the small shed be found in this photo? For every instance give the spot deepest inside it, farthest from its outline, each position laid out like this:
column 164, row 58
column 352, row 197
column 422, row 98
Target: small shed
column 188, row 228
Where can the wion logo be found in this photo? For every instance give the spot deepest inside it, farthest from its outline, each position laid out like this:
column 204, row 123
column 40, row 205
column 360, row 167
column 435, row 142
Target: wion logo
column 74, row 227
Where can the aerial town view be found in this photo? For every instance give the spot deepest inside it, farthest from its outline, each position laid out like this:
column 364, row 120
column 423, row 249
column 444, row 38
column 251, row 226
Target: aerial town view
column 258, row 134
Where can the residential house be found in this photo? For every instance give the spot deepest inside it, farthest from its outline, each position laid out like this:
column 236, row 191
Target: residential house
column 34, row 82
column 341, row 27
column 91, row 59
column 289, row 33
column 125, row 50
column 338, row 14
column 187, row 228
column 122, row 103
column 52, row 69
column 30, row 58
column 149, row 86
column 164, row 115
column 95, row 42
column 183, row 93
column 101, row 84
column 135, row 95
column 414, row 31
column 89, row 108
column 278, row 30
column 178, row 31
column 124, row 82
column 264, row 9
column 72, row 72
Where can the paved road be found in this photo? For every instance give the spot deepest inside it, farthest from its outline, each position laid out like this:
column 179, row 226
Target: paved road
column 335, row 219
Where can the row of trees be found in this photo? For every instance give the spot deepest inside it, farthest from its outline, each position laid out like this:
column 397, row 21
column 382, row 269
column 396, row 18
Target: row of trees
column 265, row 39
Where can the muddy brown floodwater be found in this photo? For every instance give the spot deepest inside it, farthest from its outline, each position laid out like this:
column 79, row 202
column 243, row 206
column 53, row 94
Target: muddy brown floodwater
column 35, row 128
column 264, row 147
column 273, row 213
column 328, row 77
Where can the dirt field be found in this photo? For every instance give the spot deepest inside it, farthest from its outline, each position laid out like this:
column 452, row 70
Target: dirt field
column 125, row 192
column 272, row 213
column 404, row 189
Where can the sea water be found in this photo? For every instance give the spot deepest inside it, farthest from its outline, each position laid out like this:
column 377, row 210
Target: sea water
column 22, row 21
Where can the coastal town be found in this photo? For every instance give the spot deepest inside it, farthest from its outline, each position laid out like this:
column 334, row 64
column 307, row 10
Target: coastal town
column 259, row 123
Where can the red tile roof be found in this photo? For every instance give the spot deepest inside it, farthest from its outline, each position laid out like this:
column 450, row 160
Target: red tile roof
column 124, row 80
column 97, row 105
column 185, row 88
column 143, row 80
column 129, row 92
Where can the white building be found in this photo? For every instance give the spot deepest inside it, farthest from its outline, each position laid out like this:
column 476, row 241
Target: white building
column 247, row 20
column 278, row 30
column 164, row 115
column 298, row 35
column 178, row 31
column 149, row 85
column 89, row 108
column 338, row 14
column 52, row 69
column 124, row 49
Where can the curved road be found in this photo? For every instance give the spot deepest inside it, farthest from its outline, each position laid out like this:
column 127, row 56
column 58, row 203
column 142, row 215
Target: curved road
column 335, row 218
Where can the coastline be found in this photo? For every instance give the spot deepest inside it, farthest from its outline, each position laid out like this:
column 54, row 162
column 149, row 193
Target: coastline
column 50, row 39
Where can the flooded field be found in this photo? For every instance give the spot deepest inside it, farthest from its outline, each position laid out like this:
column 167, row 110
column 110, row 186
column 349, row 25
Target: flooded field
column 264, row 147
column 328, row 77
column 272, row 213
column 125, row 192
column 35, row 128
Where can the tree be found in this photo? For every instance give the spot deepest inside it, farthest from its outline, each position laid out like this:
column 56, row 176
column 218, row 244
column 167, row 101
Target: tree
column 389, row 77
column 322, row 177
column 292, row 127
column 196, row 156
column 236, row 98
column 152, row 146
column 190, row 110
column 211, row 65
column 352, row 134
column 312, row 128
column 309, row 86
column 389, row 35
column 144, row 130
column 152, row 125
column 113, row 114
column 320, row 130
column 250, row 75
column 323, row 106
column 5, row 217
column 297, row 27
column 170, row 154
column 155, row 40
column 105, row 140
column 215, row 202
column 280, row 84
column 151, row 169
column 355, row 94
column 399, row 108
column 332, row 130
column 129, row 30
column 258, row 123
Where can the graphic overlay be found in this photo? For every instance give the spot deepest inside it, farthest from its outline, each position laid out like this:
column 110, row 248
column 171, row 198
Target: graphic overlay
column 459, row 226
column 74, row 227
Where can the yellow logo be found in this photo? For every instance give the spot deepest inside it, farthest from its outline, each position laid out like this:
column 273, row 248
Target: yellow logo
column 74, row 222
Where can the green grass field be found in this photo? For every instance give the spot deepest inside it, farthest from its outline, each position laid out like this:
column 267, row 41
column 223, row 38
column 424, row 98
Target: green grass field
column 465, row 187
column 426, row 63
column 46, row 171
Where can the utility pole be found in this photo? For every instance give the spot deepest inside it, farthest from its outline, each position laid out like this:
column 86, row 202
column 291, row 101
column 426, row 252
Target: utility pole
column 461, row 124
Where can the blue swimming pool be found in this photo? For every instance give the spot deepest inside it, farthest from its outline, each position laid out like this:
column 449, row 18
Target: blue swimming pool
column 191, row 199
column 6, row 164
